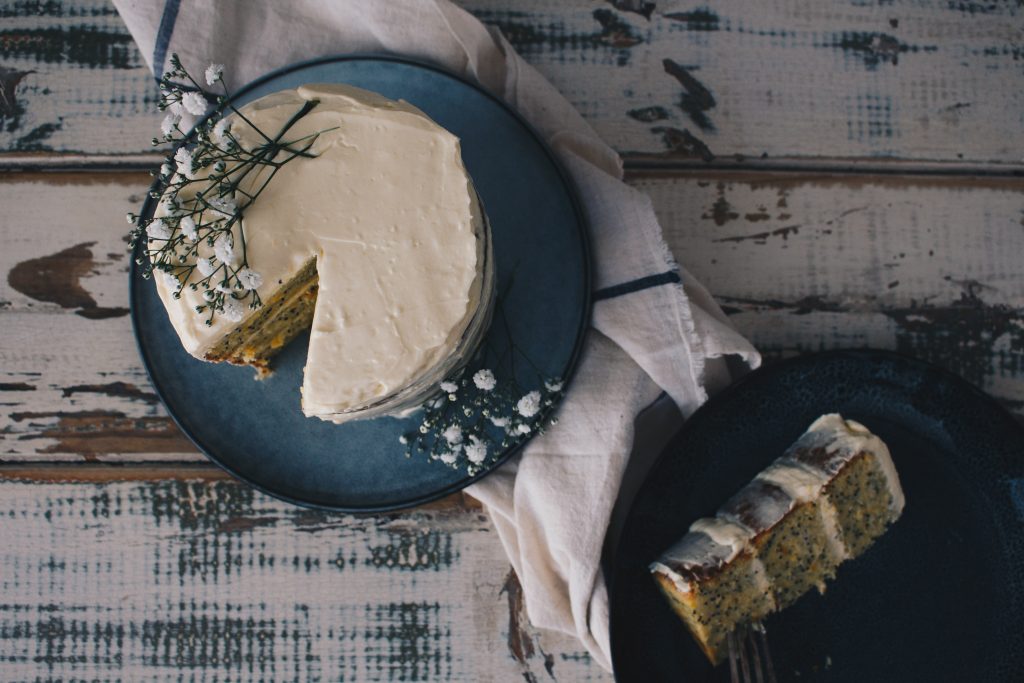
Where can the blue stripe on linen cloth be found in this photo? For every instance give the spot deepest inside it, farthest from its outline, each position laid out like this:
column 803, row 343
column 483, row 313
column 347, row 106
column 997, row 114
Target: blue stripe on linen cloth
column 163, row 35
column 669, row 277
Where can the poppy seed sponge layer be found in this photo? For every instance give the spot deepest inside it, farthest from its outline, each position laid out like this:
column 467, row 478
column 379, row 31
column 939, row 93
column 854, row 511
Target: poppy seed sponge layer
column 825, row 501
column 376, row 243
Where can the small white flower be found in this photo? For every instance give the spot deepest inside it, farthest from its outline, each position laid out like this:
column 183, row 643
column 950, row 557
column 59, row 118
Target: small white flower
column 523, row 429
column 224, row 250
column 187, row 122
column 222, row 288
column 194, row 103
column 220, row 131
column 188, row 228
column 224, row 206
column 484, row 380
column 453, row 435
column 553, row 384
column 249, row 278
column 214, row 73
column 499, row 421
column 209, row 294
column 131, row 218
column 205, row 267
column 166, row 169
column 449, row 387
column 403, row 439
column 449, row 457
column 169, row 123
column 170, row 282
column 158, row 230
column 233, row 310
column 529, row 405
column 476, row 451
column 186, row 165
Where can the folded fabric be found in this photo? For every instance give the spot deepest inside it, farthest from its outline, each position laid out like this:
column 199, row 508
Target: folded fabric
column 654, row 329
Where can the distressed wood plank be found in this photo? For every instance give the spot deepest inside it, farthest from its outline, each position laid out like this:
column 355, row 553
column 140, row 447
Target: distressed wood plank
column 187, row 580
column 72, row 386
column 927, row 266
column 932, row 81
column 801, row 262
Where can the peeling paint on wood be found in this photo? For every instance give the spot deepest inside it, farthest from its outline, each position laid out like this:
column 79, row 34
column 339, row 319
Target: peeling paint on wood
column 169, row 581
column 791, row 79
column 697, row 100
column 94, row 433
column 56, row 278
column 901, row 263
column 9, row 80
column 801, row 261
column 640, row 7
column 682, row 144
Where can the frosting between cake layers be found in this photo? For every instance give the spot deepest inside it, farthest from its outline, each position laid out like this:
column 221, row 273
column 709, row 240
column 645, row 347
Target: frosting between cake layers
column 842, row 440
column 390, row 216
column 797, row 477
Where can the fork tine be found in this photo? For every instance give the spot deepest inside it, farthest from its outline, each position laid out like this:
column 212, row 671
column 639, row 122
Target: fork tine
column 742, row 646
column 755, row 655
column 762, row 635
column 733, row 656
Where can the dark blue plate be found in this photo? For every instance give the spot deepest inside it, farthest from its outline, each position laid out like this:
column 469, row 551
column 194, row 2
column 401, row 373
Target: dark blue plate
column 940, row 597
column 256, row 430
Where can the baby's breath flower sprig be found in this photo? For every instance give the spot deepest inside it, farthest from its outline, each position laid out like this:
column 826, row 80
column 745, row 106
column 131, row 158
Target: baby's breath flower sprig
column 483, row 411
column 195, row 237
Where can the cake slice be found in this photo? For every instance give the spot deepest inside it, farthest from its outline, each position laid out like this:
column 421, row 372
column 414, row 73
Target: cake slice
column 824, row 501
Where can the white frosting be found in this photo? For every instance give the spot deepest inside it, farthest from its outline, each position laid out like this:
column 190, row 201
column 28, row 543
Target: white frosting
column 681, row 584
column 804, row 485
column 724, row 533
column 801, row 484
column 389, row 213
column 853, row 437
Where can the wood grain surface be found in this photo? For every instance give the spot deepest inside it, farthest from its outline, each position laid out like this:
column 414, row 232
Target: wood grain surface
column 838, row 174
column 801, row 262
column 929, row 81
column 179, row 580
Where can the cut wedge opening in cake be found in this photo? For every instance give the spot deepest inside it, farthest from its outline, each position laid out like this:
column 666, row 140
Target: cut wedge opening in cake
column 372, row 238
column 826, row 500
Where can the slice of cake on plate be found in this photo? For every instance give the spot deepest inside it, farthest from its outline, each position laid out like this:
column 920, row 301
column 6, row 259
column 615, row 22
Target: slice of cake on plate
column 373, row 239
column 824, row 501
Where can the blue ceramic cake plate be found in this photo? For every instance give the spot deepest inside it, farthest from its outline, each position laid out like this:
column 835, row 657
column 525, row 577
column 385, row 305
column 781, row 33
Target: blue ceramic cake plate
column 256, row 430
column 939, row 597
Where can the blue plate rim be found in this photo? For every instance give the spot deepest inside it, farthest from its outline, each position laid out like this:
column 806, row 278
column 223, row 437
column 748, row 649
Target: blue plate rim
column 612, row 562
column 582, row 226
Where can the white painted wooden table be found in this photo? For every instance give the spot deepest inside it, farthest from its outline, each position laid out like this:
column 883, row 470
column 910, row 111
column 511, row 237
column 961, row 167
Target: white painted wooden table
column 839, row 174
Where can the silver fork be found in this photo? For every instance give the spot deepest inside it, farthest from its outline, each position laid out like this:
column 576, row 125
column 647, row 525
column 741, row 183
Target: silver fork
column 750, row 660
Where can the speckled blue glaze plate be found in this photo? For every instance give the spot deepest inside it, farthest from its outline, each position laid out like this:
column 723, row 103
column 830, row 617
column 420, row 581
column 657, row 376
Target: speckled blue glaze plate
column 940, row 597
column 256, row 430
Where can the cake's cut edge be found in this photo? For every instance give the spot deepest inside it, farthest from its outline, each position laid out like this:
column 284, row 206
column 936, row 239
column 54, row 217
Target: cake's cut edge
column 713, row 583
column 826, row 500
column 268, row 330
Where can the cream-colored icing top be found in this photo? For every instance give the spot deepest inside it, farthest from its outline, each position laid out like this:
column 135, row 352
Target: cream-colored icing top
column 802, row 484
column 850, row 436
column 724, row 533
column 840, row 437
column 389, row 213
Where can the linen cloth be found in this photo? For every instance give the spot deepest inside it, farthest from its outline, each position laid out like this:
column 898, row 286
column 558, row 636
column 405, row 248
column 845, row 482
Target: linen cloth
column 654, row 329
